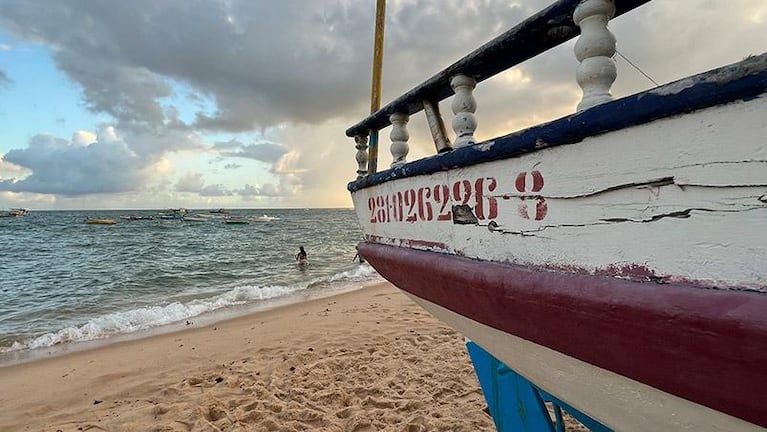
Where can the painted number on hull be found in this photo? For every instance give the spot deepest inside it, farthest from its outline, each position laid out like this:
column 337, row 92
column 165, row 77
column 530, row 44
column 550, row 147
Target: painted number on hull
column 531, row 182
column 436, row 202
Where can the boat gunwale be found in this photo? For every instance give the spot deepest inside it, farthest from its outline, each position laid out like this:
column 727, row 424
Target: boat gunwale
column 739, row 81
column 537, row 34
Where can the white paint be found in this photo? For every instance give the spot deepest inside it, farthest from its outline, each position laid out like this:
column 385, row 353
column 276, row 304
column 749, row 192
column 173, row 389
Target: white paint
column 361, row 144
column 713, row 164
column 618, row 402
column 464, row 106
column 594, row 50
column 399, row 136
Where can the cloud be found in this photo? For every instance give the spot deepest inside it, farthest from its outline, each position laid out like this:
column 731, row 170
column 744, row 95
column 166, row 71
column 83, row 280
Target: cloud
column 4, row 80
column 297, row 74
column 264, row 152
column 192, row 182
column 195, row 183
column 72, row 168
column 215, row 190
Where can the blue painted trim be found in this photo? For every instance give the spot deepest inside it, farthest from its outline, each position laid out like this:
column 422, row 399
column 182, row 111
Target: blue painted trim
column 515, row 403
column 593, row 425
column 740, row 81
column 537, row 34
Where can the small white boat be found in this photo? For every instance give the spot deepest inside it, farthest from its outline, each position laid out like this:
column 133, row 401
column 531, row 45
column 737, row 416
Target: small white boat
column 236, row 220
column 194, row 219
column 16, row 212
column 100, row 221
column 265, row 218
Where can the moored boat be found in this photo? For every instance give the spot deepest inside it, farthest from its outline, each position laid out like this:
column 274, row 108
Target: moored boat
column 236, row 220
column 100, row 221
column 196, row 218
column 136, row 218
column 265, row 218
column 612, row 259
column 15, row 213
column 174, row 214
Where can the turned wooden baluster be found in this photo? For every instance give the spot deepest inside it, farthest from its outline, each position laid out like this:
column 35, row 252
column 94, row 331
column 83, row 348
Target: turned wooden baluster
column 399, row 136
column 361, row 144
column 464, row 106
column 594, row 49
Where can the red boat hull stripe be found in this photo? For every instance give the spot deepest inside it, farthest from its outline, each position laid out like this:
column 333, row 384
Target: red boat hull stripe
column 705, row 345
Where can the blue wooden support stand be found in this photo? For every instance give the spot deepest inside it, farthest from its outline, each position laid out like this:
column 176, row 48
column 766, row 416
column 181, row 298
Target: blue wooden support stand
column 517, row 405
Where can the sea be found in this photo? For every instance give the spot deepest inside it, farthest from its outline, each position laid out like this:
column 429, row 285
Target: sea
column 66, row 285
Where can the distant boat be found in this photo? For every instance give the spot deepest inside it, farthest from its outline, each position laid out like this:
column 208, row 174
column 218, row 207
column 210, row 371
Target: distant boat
column 236, row 220
column 100, row 221
column 220, row 211
column 15, row 212
column 265, row 218
column 194, row 219
column 136, row 218
column 174, row 214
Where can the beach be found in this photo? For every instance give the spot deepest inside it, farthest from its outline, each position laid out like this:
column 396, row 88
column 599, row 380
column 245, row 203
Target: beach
column 366, row 360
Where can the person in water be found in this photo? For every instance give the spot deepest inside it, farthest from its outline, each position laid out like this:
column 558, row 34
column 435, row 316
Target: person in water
column 301, row 255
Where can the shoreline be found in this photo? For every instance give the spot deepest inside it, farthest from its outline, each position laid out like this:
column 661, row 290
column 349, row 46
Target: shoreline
column 16, row 357
column 367, row 359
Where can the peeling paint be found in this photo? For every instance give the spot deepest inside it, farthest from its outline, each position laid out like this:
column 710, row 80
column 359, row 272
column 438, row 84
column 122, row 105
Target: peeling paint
column 463, row 215
column 485, row 146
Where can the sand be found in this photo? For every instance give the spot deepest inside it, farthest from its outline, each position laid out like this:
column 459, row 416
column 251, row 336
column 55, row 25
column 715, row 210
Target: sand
column 368, row 360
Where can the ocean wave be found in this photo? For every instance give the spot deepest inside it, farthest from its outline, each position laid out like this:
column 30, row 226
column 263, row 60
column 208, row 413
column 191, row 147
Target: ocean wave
column 148, row 317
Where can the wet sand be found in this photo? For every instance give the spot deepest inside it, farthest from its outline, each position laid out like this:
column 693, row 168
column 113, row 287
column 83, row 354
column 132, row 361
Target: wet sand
column 367, row 360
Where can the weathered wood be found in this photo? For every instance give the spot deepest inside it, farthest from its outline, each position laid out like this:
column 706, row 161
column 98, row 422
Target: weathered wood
column 362, row 155
column 626, row 203
column 436, row 126
column 539, row 33
column 636, row 356
column 594, row 50
column 464, row 106
column 399, row 137
column 742, row 80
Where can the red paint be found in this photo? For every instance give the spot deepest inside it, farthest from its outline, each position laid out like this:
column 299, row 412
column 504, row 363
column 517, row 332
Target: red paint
column 426, row 204
column 519, row 183
column 523, row 210
column 541, row 208
column 632, row 271
column 408, row 243
column 537, row 181
column 705, row 345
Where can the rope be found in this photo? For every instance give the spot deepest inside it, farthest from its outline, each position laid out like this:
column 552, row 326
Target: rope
column 636, row 67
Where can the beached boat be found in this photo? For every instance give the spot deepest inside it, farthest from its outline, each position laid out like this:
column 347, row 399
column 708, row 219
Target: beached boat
column 611, row 261
column 100, row 221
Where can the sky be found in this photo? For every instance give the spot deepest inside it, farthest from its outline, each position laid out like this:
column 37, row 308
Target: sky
column 147, row 104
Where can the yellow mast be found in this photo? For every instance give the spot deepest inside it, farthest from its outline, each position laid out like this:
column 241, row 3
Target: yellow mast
column 375, row 88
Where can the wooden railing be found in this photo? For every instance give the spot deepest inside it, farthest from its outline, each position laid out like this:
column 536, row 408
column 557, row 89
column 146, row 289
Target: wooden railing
column 553, row 26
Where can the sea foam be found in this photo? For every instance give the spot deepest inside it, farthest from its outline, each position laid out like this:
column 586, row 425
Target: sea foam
column 149, row 317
